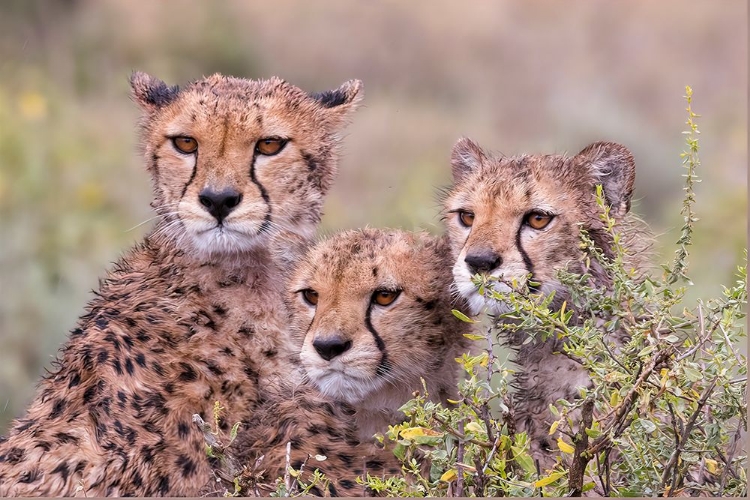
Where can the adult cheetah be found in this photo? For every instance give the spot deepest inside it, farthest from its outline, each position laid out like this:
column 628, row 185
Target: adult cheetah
column 195, row 312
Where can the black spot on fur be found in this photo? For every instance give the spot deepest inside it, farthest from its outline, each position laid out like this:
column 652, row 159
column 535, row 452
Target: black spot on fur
column 227, row 351
column 140, row 359
column 374, row 464
column 116, row 365
column 187, row 374
column 75, row 379
column 430, row 305
column 345, row 483
column 163, row 485
column 187, row 466
column 77, row 332
column 102, row 356
column 157, row 368
column 213, row 368
column 310, row 161
column 57, row 408
column 25, row 426
column 332, row 490
column 13, row 456
column 129, row 366
column 64, row 437
column 221, row 311
column 346, row 459
column 182, row 430
column 102, row 323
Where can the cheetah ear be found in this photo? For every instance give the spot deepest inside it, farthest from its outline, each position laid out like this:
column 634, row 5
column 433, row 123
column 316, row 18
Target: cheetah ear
column 612, row 166
column 151, row 93
column 346, row 97
column 466, row 156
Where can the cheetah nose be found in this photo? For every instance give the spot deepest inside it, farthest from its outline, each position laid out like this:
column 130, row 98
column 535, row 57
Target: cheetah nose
column 483, row 261
column 330, row 347
column 220, row 204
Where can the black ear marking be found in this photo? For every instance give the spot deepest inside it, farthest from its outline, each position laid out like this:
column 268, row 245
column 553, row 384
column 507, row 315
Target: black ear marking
column 466, row 156
column 347, row 93
column 150, row 92
column 611, row 165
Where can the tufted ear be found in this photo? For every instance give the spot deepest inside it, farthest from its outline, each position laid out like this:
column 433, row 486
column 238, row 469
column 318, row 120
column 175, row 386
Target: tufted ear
column 612, row 166
column 466, row 156
column 151, row 93
column 344, row 98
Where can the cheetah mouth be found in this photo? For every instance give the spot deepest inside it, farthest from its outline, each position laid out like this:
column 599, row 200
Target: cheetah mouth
column 343, row 386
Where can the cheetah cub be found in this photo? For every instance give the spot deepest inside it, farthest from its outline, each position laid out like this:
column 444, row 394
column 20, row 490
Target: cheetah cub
column 372, row 312
column 514, row 217
column 195, row 313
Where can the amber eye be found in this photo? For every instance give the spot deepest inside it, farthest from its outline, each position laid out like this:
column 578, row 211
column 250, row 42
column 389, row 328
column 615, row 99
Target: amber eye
column 385, row 297
column 186, row 145
column 466, row 218
column 538, row 220
column 270, row 146
column 310, row 296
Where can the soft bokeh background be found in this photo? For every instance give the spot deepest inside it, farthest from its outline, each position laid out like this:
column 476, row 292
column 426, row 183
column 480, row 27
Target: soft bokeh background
column 521, row 76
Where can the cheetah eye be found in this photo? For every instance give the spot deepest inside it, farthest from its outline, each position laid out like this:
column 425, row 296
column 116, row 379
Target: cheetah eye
column 385, row 297
column 310, row 296
column 186, row 145
column 466, row 218
column 538, row 220
column 270, row 146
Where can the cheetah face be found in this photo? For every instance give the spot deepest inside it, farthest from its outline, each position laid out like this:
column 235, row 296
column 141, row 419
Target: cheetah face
column 371, row 310
column 517, row 218
column 236, row 161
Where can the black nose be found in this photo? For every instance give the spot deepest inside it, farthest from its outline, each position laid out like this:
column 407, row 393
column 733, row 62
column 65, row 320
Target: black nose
column 483, row 261
column 220, row 204
column 330, row 347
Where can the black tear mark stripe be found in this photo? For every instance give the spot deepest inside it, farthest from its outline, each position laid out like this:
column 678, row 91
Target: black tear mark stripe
column 525, row 256
column 192, row 176
column 385, row 366
column 263, row 193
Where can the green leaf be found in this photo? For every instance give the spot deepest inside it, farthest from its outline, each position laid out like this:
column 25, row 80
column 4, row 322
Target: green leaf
column 463, row 317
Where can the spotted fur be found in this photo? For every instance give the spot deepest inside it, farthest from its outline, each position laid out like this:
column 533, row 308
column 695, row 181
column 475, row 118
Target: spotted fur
column 193, row 314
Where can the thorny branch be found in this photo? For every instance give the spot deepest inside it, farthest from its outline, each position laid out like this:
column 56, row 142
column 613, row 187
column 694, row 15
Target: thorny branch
column 673, row 460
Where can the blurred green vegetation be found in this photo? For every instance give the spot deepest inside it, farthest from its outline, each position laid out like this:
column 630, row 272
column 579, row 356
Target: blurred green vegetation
column 537, row 76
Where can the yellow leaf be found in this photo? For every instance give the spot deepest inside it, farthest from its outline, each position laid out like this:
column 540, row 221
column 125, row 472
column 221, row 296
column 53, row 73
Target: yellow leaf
column 449, row 475
column 614, row 399
column 415, row 432
column 565, row 447
column 712, row 466
column 553, row 427
column 473, row 427
column 549, row 479
column 484, row 360
column 292, row 472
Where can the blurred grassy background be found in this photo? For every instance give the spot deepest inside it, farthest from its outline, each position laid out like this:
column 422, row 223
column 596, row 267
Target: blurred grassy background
column 531, row 76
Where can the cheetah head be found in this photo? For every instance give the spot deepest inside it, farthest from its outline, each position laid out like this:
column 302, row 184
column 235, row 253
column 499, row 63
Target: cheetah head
column 237, row 161
column 515, row 217
column 372, row 312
